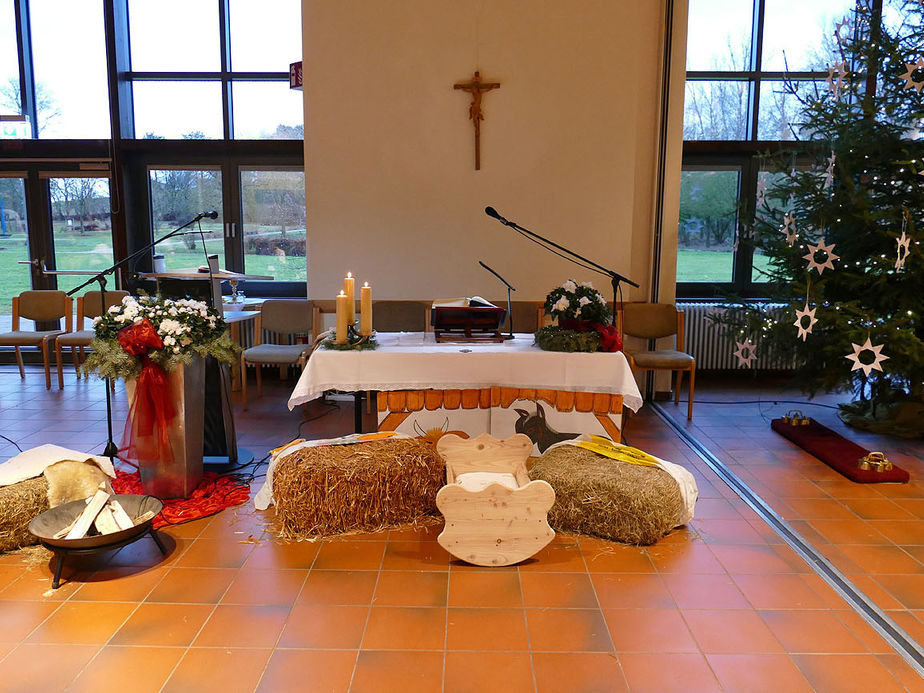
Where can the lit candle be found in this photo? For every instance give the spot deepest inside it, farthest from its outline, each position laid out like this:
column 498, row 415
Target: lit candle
column 365, row 305
column 348, row 284
column 342, row 316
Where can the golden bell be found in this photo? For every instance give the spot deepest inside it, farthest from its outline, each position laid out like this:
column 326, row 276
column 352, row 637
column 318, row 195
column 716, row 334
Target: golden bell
column 875, row 461
column 796, row 418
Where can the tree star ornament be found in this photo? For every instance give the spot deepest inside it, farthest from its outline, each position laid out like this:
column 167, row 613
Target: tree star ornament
column 746, row 353
column 830, row 257
column 789, row 228
column 829, row 172
column 806, row 312
column 835, row 82
column 904, row 247
column 878, row 357
column 910, row 81
column 840, row 24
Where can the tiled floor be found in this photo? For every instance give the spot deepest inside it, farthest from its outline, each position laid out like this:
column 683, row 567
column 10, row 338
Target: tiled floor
column 721, row 604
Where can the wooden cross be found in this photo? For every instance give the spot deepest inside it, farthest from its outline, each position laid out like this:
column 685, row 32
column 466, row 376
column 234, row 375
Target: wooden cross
column 476, row 88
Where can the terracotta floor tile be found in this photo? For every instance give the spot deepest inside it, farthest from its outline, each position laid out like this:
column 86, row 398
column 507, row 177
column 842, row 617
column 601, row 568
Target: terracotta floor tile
column 123, row 584
column 705, row 592
column 192, row 585
column 168, row 625
column 269, row 587
column 9, row 573
column 876, row 592
column 424, row 532
column 338, row 587
column 795, row 562
column 408, row 672
column 568, row 630
column 214, row 553
column 485, row 588
column 881, row 560
column 649, row 630
column 751, row 559
column 486, row 629
column 728, row 532
column 819, row 509
column 18, row 619
column 557, row 557
column 35, row 584
column 877, row 509
column 138, row 669
column 83, row 623
column 664, row 673
column 405, row 628
column 27, row 667
column 488, row 672
column 849, row 531
column 563, row 590
column 903, row 672
column 716, row 509
column 308, row 671
column 907, row 589
column 691, row 557
column 604, row 556
column 627, row 591
column 415, row 555
column 866, row 633
column 145, row 552
column 779, row 592
column 731, row 631
column 904, row 532
column 243, row 626
column 411, row 588
column 812, row 632
column 590, row 672
column 915, row 506
column 846, row 673
column 218, row 669
column 350, row 555
column 758, row 673
column 278, row 555
column 324, row 627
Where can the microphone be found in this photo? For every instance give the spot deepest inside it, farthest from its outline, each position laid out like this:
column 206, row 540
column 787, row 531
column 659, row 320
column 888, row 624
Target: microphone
column 210, row 214
column 491, row 212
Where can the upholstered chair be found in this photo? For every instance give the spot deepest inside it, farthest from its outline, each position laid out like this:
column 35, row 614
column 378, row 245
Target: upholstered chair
column 657, row 321
column 41, row 306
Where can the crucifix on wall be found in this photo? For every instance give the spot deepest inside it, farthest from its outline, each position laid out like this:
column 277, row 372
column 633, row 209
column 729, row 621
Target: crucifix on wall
column 476, row 88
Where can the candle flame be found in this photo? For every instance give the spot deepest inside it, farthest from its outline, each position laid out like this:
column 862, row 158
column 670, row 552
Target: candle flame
column 341, row 293
column 365, row 285
column 349, row 274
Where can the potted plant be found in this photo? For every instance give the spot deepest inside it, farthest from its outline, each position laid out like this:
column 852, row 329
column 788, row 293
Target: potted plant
column 582, row 315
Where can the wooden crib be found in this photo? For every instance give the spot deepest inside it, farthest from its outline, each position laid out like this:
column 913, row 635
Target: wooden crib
column 494, row 514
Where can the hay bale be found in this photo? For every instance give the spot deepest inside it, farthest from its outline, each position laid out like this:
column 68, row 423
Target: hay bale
column 607, row 498
column 364, row 487
column 19, row 503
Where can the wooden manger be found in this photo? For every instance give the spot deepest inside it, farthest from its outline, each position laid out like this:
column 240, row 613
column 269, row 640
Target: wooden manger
column 494, row 514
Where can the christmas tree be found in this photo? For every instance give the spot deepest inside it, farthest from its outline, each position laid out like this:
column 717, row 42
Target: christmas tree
column 840, row 224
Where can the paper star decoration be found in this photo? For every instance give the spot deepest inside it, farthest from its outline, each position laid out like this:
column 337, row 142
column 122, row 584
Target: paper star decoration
column 805, row 313
column 829, row 172
column 789, row 229
column 837, row 28
column 835, row 83
column 910, row 81
column 878, row 357
column 762, row 192
column 746, row 353
column 742, row 232
column 904, row 247
column 830, row 257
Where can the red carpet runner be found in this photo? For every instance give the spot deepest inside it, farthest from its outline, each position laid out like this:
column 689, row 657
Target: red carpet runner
column 212, row 495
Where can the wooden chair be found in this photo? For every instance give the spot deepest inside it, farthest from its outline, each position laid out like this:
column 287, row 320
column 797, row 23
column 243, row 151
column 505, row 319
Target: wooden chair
column 40, row 306
column 284, row 317
column 656, row 321
column 88, row 306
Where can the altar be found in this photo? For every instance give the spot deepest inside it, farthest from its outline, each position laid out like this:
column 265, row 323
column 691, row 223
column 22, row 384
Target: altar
column 501, row 388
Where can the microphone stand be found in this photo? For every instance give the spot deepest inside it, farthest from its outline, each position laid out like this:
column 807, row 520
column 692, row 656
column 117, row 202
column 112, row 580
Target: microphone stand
column 579, row 260
column 509, row 289
column 112, row 449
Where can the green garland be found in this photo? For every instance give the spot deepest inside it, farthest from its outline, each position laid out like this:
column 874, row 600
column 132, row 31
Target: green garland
column 110, row 360
column 554, row 338
column 355, row 342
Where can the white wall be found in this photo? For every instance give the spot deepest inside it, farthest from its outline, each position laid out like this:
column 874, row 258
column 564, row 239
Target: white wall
column 569, row 142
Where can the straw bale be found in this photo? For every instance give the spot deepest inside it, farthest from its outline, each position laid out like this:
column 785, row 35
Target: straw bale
column 19, row 503
column 364, row 487
column 604, row 497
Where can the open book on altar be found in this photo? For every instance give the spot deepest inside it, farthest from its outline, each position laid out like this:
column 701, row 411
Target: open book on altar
column 472, row 302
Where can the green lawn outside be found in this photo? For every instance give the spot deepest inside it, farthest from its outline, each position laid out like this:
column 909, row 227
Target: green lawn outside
column 711, row 265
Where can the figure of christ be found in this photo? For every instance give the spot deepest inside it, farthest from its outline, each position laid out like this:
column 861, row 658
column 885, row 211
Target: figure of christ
column 476, row 88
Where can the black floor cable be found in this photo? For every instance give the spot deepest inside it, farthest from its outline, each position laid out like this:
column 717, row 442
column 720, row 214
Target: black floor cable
column 904, row 645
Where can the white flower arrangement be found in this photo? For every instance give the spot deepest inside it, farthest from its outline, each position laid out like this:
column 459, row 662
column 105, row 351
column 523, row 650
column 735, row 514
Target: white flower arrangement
column 572, row 301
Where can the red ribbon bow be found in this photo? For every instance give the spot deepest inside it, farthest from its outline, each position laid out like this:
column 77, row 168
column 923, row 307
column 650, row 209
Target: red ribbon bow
column 146, row 437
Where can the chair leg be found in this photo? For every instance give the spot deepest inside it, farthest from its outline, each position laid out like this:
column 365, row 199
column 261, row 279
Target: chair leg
column 259, row 380
column 76, row 361
column 83, row 357
column 678, row 383
column 58, row 364
column 244, row 382
column 44, row 348
column 692, row 378
column 22, row 371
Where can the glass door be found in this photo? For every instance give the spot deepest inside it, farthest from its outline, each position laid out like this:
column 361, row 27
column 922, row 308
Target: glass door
column 14, row 244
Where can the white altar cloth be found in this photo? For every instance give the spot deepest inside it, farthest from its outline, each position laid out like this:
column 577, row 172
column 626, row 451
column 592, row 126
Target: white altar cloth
column 414, row 361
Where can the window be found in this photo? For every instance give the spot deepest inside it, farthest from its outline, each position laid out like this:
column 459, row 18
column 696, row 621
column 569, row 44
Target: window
column 69, row 59
column 81, row 226
column 178, row 110
column 708, row 219
column 14, row 241
column 178, row 195
column 10, row 101
column 174, row 35
column 267, row 110
column 273, row 206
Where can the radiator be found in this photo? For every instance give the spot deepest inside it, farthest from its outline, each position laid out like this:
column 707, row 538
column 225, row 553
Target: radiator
column 713, row 351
